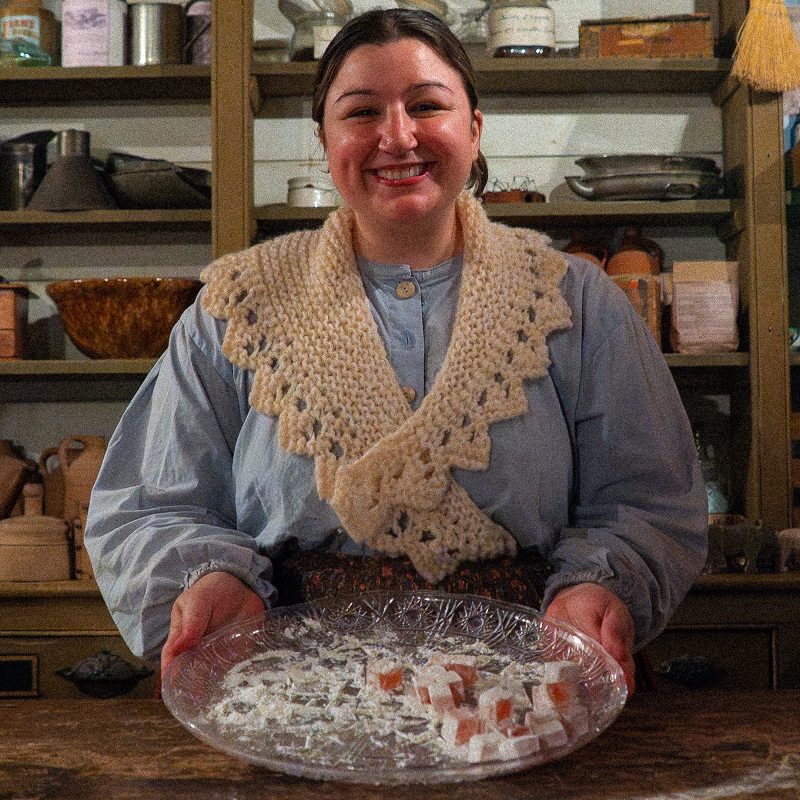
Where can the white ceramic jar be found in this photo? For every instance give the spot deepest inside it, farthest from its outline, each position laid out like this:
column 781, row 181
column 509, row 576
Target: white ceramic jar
column 520, row 28
column 311, row 193
column 93, row 33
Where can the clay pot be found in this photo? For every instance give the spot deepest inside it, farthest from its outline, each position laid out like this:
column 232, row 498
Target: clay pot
column 636, row 255
column 80, row 467
column 14, row 469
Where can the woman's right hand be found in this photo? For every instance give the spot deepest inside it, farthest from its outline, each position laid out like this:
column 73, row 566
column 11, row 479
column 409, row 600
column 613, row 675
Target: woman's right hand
column 217, row 599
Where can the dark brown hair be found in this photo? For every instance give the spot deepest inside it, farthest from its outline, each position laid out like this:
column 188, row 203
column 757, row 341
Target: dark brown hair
column 383, row 26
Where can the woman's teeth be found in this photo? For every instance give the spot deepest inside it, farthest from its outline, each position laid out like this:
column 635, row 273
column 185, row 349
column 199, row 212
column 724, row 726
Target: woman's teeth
column 401, row 174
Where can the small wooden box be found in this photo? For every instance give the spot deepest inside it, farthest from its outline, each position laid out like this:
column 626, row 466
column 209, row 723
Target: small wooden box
column 677, row 36
column 13, row 319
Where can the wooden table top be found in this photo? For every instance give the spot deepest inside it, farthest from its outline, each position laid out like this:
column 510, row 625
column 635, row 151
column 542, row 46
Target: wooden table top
column 682, row 746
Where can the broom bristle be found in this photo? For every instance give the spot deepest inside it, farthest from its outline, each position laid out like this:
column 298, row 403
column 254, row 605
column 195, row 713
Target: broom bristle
column 767, row 55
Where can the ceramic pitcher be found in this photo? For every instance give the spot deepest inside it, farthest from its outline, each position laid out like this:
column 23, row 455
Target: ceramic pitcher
column 80, row 465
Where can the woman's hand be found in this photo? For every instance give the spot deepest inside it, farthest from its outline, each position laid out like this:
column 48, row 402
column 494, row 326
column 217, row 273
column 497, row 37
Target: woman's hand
column 599, row 613
column 215, row 600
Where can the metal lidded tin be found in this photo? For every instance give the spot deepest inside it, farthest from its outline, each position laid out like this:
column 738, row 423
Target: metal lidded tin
column 156, row 33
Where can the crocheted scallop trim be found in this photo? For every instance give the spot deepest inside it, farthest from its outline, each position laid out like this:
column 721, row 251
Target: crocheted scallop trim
column 299, row 318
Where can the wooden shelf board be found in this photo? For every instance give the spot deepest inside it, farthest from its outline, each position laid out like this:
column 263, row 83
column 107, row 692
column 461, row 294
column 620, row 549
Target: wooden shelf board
column 733, row 582
column 73, row 588
column 678, row 360
column 99, row 367
column 537, row 76
column 119, row 218
column 150, row 84
column 141, row 366
column 697, row 212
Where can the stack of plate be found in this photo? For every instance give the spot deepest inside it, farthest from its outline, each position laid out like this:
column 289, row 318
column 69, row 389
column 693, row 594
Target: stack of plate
column 646, row 177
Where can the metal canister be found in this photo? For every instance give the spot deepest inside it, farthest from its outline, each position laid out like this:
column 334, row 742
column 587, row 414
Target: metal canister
column 23, row 163
column 156, row 33
column 198, row 32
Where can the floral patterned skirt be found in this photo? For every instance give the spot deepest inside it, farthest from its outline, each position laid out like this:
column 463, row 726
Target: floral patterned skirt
column 309, row 576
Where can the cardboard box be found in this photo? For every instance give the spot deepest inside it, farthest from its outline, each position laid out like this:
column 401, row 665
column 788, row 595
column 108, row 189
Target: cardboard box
column 13, row 319
column 678, row 36
column 705, row 306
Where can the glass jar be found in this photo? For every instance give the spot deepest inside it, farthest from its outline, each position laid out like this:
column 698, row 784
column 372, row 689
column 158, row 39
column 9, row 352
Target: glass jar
column 521, row 28
column 314, row 26
column 30, row 22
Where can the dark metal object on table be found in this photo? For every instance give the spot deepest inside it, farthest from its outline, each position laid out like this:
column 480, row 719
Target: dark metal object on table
column 104, row 675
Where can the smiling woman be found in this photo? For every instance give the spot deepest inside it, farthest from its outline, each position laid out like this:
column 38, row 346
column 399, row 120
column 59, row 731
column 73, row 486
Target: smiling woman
column 401, row 137
column 411, row 397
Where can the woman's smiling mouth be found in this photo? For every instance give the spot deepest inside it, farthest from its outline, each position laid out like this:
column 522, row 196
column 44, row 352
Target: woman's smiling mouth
column 401, row 174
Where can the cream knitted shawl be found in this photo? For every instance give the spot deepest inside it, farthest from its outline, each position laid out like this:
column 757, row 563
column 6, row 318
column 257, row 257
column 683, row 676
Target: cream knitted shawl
column 299, row 318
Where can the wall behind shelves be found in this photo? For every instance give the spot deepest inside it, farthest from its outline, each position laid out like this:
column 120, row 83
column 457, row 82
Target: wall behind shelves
column 536, row 137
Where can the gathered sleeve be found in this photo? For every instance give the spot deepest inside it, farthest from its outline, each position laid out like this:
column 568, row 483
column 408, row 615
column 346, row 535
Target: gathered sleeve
column 163, row 512
column 639, row 514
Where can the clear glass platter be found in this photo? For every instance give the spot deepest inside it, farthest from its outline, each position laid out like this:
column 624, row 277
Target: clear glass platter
column 285, row 690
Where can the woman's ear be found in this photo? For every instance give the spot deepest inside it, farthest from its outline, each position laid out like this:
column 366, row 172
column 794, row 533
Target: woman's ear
column 477, row 130
column 320, row 136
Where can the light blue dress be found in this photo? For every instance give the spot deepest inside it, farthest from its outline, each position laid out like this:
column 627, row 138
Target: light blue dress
column 601, row 474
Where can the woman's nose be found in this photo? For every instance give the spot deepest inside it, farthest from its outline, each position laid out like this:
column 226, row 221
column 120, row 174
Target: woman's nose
column 397, row 133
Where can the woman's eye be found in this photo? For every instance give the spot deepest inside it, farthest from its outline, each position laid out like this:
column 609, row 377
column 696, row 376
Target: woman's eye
column 422, row 108
column 361, row 112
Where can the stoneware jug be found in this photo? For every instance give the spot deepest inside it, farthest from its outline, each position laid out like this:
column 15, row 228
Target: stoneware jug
column 581, row 244
column 53, row 478
column 80, row 466
column 636, row 255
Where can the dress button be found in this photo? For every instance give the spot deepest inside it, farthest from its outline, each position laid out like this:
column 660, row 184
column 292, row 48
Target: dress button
column 405, row 289
column 410, row 394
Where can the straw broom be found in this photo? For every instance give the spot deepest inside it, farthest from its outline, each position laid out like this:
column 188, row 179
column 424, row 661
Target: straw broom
column 767, row 55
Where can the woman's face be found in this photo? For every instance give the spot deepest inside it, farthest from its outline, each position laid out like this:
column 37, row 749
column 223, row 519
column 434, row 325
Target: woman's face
column 399, row 134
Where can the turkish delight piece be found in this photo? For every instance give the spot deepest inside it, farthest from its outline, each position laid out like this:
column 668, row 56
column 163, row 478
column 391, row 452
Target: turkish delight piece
column 542, row 703
column 456, row 684
column 384, row 673
column 484, row 747
column 496, row 706
column 429, row 677
column 551, row 732
column 424, row 678
column 557, row 671
column 441, row 697
column 519, row 746
column 466, row 666
column 563, row 693
column 576, row 719
column 459, row 725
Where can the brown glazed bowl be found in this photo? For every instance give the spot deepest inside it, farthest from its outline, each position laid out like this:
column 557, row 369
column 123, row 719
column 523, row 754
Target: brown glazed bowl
column 122, row 317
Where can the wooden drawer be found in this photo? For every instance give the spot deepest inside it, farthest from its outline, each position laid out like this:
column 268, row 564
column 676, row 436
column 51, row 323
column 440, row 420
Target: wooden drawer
column 739, row 657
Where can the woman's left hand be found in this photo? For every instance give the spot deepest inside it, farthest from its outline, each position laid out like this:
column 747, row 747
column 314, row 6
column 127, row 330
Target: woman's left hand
column 599, row 613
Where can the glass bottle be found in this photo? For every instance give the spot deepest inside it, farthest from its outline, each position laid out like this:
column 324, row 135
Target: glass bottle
column 521, row 28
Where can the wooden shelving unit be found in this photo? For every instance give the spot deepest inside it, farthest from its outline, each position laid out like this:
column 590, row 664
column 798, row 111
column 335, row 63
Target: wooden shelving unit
column 751, row 224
